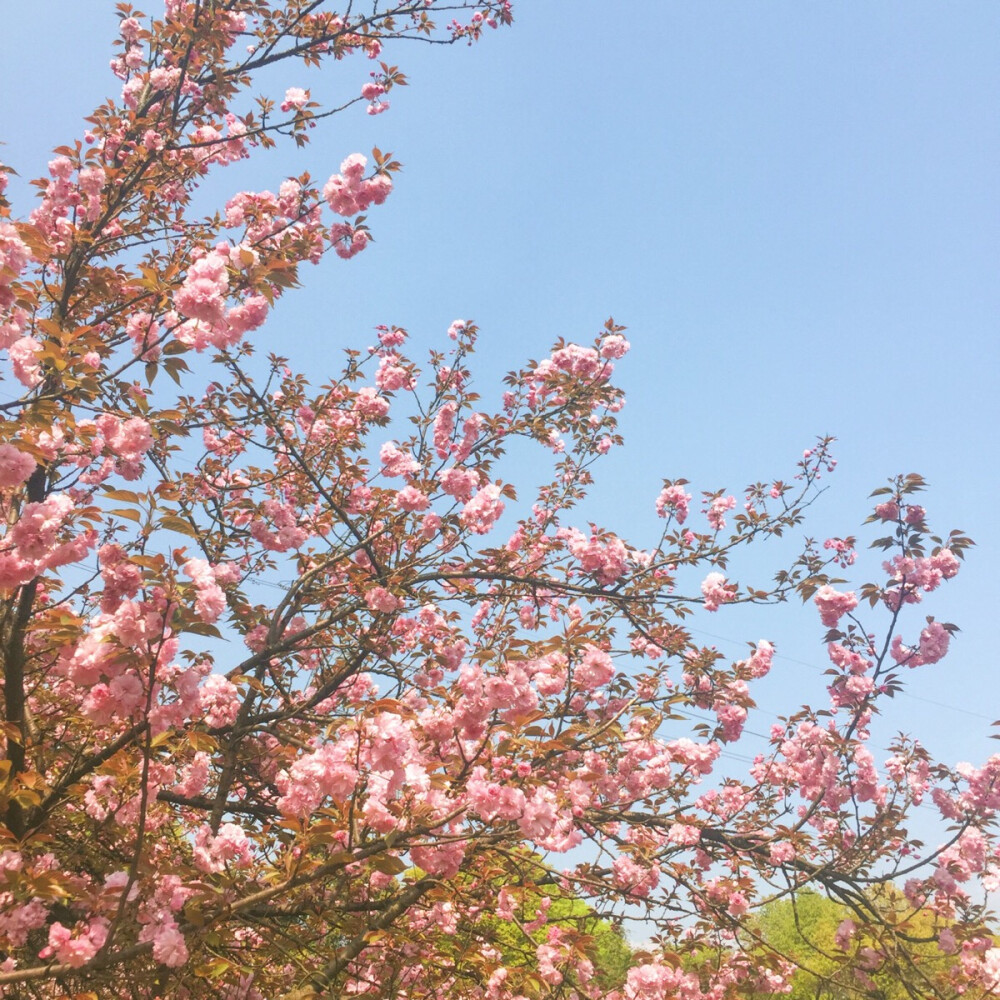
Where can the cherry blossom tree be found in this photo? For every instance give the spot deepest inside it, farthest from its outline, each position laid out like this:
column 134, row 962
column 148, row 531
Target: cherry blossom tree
column 464, row 700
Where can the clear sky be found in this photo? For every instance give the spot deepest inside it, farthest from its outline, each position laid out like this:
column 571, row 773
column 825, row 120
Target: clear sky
column 793, row 206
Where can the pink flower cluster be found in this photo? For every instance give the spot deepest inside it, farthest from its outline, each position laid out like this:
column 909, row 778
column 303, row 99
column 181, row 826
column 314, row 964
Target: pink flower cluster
column 844, row 551
column 230, row 847
column 14, row 257
column 284, row 532
column 15, row 466
column 41, row 539
column 673, row 501
column 483, row 510
column 219, row 699
column 349, row 193
column 933, row 646
column 372, row 92
column 295, row 97
column 75, row 947
column 605, row 558
column 396, row 461
column 202, row 296
column 717, row 591
column 210, row 601
column 910, row 577
column 716, row 509
column 833, row 604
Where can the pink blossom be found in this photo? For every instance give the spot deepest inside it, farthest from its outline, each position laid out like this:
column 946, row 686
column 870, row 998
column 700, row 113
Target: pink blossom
column 673, row 500
column 220, row 701
column 833, row 604
column 396, row 462
column 210, row 601
column 934, row 641
column 348, row 193
column 295, row 97
column 887, row 511
column 15, row 466
column 638, row 879
column 380, row 599
column 409, row 498
column 23, row 354
column 444, row 860
column 614, row 346
column 370, row 404
column 759, row 663
column 945, row 562
column 594, row 670
column 482, row 511
column 444, row 427
column 459, row 482
column 169, row 947
column 717, row 508
column 229, row 847
column 846, row 930
column 392, row 376
column 605, row 558
column 203, row 292
column 717, row 591
column 76, row 949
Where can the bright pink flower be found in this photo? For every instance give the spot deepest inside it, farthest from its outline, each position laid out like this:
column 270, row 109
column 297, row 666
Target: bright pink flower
column 444, row 427
column 888, row 511
column 945, row 563
column 614, row 346
column 169, row 947
column 210, row 601
column 759, row 663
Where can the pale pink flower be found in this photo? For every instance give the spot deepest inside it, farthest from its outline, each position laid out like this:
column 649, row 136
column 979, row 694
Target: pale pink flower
column 15, row 466
column 482, row 511
column 220, row 701
column 396, row 462
column 717, row 591
column 380, row 599
column 409, row 498
column 673, row 500
column 833, row 604
column 295, row 97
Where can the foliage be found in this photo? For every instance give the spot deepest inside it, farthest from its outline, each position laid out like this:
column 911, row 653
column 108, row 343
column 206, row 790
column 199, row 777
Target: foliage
column 307, row 693
column 832, row 948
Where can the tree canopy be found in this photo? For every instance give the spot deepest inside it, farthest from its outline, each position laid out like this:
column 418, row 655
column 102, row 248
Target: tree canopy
column 309, row 691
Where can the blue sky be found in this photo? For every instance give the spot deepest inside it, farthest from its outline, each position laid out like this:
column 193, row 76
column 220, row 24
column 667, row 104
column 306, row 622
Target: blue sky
column 792, row 206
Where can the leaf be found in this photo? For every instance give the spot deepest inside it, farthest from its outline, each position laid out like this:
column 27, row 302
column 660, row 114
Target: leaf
column 174, row 523
column 203, row 628
column 126, row 512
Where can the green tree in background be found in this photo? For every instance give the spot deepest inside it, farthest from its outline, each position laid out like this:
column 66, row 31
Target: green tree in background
column 836, row 952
